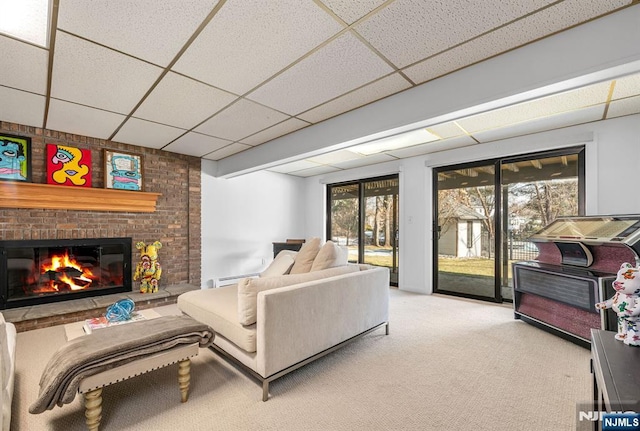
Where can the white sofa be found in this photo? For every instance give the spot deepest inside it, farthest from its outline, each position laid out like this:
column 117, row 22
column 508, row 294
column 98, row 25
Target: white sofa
column 7, row 365
column 273, row 325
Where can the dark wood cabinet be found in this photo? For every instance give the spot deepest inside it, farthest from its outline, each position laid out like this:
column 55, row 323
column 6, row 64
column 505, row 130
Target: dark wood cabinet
column 616, row 374
column 290, row 244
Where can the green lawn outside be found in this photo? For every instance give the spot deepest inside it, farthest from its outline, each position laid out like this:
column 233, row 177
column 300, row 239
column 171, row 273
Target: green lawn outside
column 471, row 266
column 371, row 257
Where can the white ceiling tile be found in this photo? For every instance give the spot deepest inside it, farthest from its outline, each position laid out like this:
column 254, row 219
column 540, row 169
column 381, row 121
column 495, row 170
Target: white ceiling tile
column 433, row 147
column 82, row 120
column 92, row 75
column 352, row 10
column 543, row 107
column 24, row 66
column 269, row 34
column 146, row 134
column 318, row 170
column 627, row 86
column 528, row 29
column 196, row 144
column 365, row 161
column 182, row 102
column 294, row 166
column 240, row 120
column 335, row 157
column 227, row 151
column 565, row 119
column 369, row 93
column 26, row 19
column 446, row 130
column 151, row 30
column 433, row 26
column 281, row 129
column 628, row 106
column 340, row 66
column 21, row 107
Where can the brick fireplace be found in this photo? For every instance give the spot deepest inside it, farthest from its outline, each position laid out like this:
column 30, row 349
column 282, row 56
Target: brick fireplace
column 175, row 222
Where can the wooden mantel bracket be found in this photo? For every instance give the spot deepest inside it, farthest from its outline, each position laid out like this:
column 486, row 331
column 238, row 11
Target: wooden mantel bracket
column 15, row 194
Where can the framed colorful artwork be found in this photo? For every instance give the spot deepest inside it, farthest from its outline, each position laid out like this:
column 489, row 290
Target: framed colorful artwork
column 15, row 158
column 122, row 170
column 68, row 166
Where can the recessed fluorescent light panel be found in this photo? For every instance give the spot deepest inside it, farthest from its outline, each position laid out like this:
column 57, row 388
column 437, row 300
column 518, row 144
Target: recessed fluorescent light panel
column 409, row 139
column 27, row 20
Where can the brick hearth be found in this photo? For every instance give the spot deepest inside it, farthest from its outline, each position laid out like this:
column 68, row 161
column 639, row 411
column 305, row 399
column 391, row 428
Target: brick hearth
column 75, row 310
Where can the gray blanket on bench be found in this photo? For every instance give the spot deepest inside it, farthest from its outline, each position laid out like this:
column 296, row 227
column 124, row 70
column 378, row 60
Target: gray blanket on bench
column 110, row 347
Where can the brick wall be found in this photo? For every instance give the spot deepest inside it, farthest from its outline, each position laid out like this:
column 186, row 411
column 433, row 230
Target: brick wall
column 175, row 223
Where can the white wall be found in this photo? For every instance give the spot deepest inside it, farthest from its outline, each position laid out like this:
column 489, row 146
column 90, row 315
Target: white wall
column 242, row 216
column 612, row 159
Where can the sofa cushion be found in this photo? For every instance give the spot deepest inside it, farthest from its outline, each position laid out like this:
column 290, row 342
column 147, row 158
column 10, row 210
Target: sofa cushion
column 218, row 308
column 248, row 288
column 329, row 256
column 7, row 363
column 281, row 264
column 305, row 257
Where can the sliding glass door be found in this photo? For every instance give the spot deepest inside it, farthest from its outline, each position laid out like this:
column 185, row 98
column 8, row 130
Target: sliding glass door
column 536, row 191
column 363, row 215
column 485, row 212
column 465, row 241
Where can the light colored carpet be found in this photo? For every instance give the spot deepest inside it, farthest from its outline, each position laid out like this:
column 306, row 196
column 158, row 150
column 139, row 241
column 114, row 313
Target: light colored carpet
column 448, row 364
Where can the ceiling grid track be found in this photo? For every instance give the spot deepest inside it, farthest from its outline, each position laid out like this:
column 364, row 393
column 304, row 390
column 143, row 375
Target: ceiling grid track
column 172, row 63
column 219, row 78
column 52, row 45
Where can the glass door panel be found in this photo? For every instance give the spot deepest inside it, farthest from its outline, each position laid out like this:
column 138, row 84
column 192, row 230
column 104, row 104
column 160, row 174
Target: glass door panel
column 380, row 224
column 344, row 204
column 363, row 215
column 535, row 191
column 465, row 231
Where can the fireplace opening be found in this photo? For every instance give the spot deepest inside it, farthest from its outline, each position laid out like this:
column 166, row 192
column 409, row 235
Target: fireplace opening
column 41, row 271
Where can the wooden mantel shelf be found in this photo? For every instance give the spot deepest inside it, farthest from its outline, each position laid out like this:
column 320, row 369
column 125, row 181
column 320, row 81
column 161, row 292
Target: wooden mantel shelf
column 14, row 194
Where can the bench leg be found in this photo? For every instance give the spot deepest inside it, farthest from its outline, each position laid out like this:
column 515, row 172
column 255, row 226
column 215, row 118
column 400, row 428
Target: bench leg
column 184, row 378
column 93, row 406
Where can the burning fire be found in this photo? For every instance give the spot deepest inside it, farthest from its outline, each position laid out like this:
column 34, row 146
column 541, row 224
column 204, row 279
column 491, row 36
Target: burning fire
column 61, row 275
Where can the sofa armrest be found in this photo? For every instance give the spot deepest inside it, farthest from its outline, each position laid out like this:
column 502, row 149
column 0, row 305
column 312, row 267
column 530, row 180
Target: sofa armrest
column 299, row 321
column 7, row 363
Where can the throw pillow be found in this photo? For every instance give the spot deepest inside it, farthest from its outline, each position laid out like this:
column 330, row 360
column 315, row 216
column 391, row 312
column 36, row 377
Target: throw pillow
column 281, row 264
column 248, row 288
column 329, row 256
column 305, row 256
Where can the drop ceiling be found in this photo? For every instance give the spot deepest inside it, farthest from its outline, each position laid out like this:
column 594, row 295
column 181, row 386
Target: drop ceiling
column 214, row 78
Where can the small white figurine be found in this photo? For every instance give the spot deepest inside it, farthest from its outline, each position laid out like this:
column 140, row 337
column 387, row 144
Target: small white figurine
column 626, row 304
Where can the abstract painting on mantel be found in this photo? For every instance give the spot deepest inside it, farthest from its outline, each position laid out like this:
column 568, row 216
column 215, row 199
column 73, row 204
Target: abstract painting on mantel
column 68, row 166
column 122, row 170
column 15, row 158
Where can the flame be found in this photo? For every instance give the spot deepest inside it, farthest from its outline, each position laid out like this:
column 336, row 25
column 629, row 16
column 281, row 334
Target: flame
column 72, row 283
column 59, row 264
